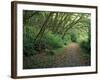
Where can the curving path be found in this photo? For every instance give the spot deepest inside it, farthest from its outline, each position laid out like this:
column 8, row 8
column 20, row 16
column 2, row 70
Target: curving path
column 70, row 56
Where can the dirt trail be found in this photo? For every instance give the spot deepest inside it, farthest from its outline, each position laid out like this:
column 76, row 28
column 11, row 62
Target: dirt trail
column 70, row 56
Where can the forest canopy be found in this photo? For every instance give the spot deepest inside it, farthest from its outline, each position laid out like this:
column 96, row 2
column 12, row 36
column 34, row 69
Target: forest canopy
column 51, row 30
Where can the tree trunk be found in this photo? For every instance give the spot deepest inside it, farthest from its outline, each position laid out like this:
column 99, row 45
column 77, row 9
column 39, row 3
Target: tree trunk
column 43, row 27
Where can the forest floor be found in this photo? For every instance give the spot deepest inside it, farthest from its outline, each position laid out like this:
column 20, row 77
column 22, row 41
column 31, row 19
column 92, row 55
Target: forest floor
column 71, row 55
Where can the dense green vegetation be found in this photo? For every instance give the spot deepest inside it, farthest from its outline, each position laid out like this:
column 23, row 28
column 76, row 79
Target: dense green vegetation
column 47, row 32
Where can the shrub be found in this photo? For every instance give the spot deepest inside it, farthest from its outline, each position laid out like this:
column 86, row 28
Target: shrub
column 86, row 46
column 28, row 38
column 67, row 40
column 53, row 41
column 73, row 37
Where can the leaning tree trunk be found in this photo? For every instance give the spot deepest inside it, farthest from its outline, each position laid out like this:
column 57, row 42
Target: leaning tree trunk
column 42, row 27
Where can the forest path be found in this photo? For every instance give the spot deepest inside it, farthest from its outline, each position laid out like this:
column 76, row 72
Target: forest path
column 70, row 56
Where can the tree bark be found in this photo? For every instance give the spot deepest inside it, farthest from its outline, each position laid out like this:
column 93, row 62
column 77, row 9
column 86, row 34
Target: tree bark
column 43, row 27
column 71, row 26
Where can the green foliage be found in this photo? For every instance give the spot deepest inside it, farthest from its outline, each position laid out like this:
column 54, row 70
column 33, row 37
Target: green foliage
column 54, row 41
column 28, row 46
column 70, row 37
column 73, row 37
column 46, row 34
column 73, row 25
column 49, row 42
column 28, row 38
column 86, row 46
column 67, row 39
